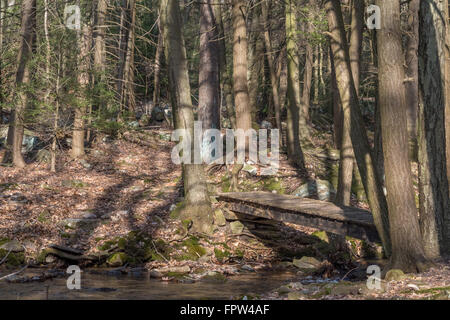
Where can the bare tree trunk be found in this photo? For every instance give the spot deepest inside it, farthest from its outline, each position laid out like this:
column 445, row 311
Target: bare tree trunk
column 271, row 63
column 296, row 122
column 412, row 76
column 28, row 35
column 407, row 248
column 353, row 118
column 433, row 182
column 308, row 72
column 129, row 97
column 197, row 206
column 125, row 19
column 157, row 71
column 83, row 82
column 255, row 63
column 208, row 93
column 225, row 68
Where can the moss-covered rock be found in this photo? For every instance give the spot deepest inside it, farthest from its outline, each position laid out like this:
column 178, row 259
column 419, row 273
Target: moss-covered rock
column 117, row 259
column 14, row 259
column 394, row 275
column 236, row 227
column 219, row 218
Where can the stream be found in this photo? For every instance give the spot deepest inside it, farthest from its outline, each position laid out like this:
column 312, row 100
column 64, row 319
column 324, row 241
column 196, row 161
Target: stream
column 98, row 284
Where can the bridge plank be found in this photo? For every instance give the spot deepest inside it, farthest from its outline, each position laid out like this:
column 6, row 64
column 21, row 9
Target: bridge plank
column 323, row 215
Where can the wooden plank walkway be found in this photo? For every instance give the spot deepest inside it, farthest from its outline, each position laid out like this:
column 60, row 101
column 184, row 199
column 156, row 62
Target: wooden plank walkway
column 354, row 222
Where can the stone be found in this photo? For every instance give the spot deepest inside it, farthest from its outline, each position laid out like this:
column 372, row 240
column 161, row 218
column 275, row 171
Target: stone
column 219, row 218
column 182, row 269
column 89, row 215
column 229, row 215
column 13, row 245
column 158, row 114
column 306, row 263
column 155, row 274
column 295, row 296
column 247, row 267
column 133, row 124
column 44, row 156
column 266, row 125
column 283, row 290
column 118, row 259
column 50, row 259
column 145, row 120
column 394, row 275
column 236, row 227
column 250, row 169
column 321, row 189
column 85, row 164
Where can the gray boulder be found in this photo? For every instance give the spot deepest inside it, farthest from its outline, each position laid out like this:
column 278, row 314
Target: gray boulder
column 321, row 189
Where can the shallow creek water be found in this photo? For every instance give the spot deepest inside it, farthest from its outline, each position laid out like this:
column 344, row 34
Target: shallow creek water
column 96, row 284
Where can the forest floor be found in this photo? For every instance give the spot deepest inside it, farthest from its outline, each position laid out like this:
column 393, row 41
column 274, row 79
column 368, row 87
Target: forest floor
column 115, row 209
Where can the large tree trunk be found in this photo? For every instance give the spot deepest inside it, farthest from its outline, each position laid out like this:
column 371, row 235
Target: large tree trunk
column 2, row 6
column 197, row 206
column 28, row 35
column 208, row 92
column 433, row 183
column 100, row 30
column 347, row 158
column 296, row 122
column 407, row 248
column 271, row 64
column 353, row 118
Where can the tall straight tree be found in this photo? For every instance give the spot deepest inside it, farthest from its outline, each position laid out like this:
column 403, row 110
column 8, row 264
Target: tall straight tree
column 197, row 206
column 240, row 69
column 271, row 63
column 296, row 122
column 407, row 247
column 352, row 118
column 28, row 36
column 208, row 91
column 84, row 37
column 433, row 182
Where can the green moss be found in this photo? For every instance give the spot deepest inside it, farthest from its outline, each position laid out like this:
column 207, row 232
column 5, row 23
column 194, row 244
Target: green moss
column 118, row 259
column 44, row 216
column 273, row 184
column 14, row 258
column 239, row 253
column 175, row 213
column 322, row 235
column 41, row 256
column 221, row 255
column 226, row 184
column 194, row 248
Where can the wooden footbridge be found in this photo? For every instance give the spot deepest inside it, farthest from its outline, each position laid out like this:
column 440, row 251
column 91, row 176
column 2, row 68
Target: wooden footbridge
column 353, row 222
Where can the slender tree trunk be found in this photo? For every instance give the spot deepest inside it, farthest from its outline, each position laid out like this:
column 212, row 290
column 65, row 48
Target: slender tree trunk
column 157, row 74
column 129, row 96
column 353, row 118
column 197, row 207
column 308, row 72
column 296, row 121
column 271, row 64
column 208, row 94
column 255, row 63
column 83, row 82
column 100, row 48
column 28, row 35
column 225, row 68
column 125, row 19
column 407, row 248
column 412, row 77
column 433, row 182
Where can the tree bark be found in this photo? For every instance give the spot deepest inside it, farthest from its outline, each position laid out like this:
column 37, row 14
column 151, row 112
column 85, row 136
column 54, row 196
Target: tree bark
column 412, row 76
column 197, row 206
column 407, row 248
column 433, row 183
column 296, row 122
column 271, row 64
column 16, row 128
column 255, row 63
column 353, row 118
column 208, row 92
column 84, row 41
column 157, row 71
